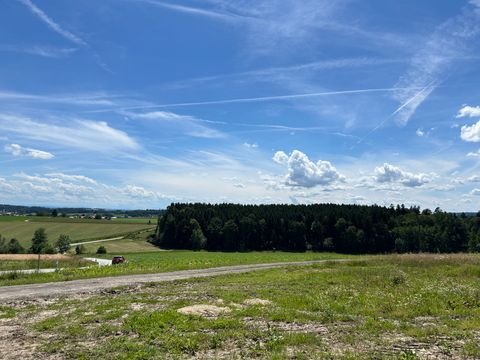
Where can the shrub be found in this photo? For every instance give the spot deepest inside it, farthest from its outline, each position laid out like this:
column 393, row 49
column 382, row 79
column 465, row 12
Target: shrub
column 80, row 249
column 101, row 250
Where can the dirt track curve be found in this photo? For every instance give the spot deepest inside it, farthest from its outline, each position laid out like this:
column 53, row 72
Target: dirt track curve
column 91, row 285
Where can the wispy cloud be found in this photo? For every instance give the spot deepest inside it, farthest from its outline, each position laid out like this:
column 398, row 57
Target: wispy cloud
column 210, row 13
column 189, row 125
column 92, row 99
column 432, row 63
column 40, row 14
column 272, row 74
column 20, row 151
column 259, row 99
column 81, row 134
column 272, row 26
column 44, row 51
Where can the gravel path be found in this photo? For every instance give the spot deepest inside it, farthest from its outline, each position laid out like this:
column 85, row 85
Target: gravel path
column 91, row 285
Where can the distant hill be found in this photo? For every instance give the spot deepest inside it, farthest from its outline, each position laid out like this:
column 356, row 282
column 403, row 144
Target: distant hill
column 22, row 210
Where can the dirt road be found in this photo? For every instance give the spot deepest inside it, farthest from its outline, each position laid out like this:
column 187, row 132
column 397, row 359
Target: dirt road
column 91, row 285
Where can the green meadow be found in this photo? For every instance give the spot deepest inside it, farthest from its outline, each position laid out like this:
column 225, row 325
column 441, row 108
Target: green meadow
column 389, row 307
column 79, row 230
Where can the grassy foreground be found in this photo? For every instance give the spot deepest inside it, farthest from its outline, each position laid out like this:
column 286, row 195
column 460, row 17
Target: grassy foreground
column 396, row 307
column 163, row 261
column 72, row 262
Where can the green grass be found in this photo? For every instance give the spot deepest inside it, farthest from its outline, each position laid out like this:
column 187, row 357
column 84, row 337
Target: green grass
column 122, row 246
column 73, row 262
column 385, row 308
column 79, row 230
column 163, row 261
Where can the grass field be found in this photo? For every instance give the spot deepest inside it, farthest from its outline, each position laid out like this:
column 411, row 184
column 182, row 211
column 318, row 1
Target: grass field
column 395, row 307
column 163, row 261
column 122, row 246
column 78, row 229
column 64, row 262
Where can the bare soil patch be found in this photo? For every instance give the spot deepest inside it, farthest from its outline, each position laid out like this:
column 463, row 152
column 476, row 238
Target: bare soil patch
column 208, row 311
column 256, row 301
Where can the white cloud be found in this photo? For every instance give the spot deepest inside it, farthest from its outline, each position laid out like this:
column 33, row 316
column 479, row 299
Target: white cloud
column 475, row 192
column 239, row 185
column 280, row 158
column 303, row 172
column 474, row 178
column 17, row 150
column 74, row 190
column 474, row 154
column 44, row 51
column 420, row 132
column 82, row 134
column 79, row 178
column 469, row 111
column 250, row 146
column 392, row 174
column 470, row 133
column 427, row 68
column 40, row 14
column 189, row 125
column 138, row 192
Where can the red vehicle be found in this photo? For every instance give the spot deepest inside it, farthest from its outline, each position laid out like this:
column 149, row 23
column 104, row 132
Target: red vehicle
column 118, row 260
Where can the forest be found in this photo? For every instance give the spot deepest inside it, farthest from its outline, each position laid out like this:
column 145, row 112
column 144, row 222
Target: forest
column 351, row 229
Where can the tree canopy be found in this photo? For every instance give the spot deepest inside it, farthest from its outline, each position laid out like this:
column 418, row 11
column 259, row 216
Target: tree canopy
column 321, row 227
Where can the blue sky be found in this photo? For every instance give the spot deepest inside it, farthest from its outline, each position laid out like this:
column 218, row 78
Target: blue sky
column 138, row 103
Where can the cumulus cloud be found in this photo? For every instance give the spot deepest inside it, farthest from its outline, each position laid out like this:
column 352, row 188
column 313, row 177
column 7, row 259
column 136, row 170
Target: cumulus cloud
column 470, row 133
column 19, row 151
column 391, row 174
column 302, row 172
column 469, row 111
column 280, row 158
column 138, row 192
column 475, row 192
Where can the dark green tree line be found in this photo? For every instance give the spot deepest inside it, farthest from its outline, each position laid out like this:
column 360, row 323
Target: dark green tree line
column 351, row 229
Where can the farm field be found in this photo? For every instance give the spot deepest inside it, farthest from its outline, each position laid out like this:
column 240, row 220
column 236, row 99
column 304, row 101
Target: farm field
column 389, row 307
column 78, row 229
column 164, row 261
column 121, row 246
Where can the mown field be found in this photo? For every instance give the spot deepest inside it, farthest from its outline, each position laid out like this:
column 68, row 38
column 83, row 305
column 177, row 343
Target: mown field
column 78, row 229
column 163, row 261
column 393, row 307
column 121, row 246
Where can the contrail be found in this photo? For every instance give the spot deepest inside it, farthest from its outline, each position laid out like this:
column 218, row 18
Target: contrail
column 259, row 99
column 413, row 98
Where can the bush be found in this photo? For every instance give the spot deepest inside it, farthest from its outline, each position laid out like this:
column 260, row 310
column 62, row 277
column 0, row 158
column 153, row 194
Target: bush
column 80, row 249
column 101, row 250
column 398, row 277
